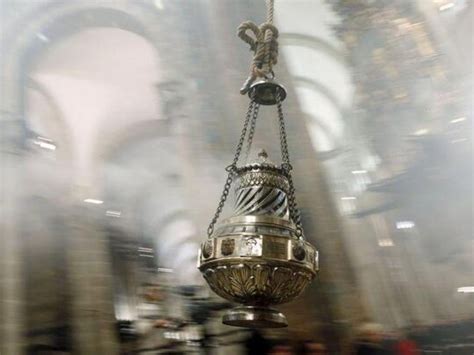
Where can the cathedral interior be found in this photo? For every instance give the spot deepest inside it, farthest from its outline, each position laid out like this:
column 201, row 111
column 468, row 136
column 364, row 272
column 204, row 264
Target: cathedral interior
column 119, row 119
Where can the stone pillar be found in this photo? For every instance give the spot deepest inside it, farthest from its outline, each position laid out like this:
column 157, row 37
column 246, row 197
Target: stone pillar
column 90, row 278
column 11, row 259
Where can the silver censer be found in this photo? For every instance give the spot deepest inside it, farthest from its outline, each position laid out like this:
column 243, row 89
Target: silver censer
column 258, row 257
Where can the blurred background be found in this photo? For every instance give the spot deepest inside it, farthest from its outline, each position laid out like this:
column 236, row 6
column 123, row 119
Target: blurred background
column 118, row 118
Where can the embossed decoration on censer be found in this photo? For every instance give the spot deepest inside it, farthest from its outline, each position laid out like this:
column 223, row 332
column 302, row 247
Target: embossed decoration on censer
column 258, row 257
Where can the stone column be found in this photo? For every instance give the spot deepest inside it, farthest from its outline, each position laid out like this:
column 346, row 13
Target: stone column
column 90, row 278
column 11, row 259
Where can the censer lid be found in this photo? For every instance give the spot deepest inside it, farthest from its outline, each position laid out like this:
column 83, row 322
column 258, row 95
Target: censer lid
column 261, row 189
column 262, row 164
column 262, row 173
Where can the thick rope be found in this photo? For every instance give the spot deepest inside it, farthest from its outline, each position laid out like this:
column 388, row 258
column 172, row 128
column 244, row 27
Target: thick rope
column 264, row 44
column 270, row 10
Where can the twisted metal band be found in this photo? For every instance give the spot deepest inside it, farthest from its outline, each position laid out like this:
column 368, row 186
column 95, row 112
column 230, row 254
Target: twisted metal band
column 261, row 200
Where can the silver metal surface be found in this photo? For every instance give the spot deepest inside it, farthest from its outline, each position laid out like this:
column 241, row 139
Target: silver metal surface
column 265, row 92
column 255, row 317
column 261, row 201
column 271, row 246
column 261, row 220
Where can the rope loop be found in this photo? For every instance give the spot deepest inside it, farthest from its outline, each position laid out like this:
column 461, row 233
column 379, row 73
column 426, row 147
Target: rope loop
column 264, row 44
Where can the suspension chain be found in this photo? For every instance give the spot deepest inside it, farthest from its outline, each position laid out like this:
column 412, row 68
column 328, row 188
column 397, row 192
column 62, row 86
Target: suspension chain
column 285, row 155
column 249, row 125
column 253, row 106
column 265, row 46
column 295, row 214
column 253, row 124
column 243, row 134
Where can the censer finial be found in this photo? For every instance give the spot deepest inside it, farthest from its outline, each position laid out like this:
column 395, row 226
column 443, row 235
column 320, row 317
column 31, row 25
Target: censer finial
column 262, row 154
column 258, row 257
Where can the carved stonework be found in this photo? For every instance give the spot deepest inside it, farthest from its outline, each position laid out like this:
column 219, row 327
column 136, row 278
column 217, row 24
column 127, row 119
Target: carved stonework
column 227, row 246
column 257, row 284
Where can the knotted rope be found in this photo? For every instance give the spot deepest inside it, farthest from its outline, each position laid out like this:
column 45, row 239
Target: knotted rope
column 264, row 44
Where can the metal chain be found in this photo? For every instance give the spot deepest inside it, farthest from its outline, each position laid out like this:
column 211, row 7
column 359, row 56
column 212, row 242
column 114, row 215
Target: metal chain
column 224, row 195
column 232, row 167
column 285, row 155
column 238, row 149
column 251, row 118
column 253, row 124
column 294, row 210
column 295, row 214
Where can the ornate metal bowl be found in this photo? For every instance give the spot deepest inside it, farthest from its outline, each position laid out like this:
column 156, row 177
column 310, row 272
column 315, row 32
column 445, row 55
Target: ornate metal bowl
column 257, row 269
column 255, row 257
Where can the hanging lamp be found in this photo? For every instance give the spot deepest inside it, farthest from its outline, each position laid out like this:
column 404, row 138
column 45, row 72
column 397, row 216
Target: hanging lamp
column 258, row 257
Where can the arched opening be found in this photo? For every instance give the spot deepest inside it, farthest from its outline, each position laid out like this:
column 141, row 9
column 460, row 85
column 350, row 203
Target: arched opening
column 102, row 80
column 85, row 88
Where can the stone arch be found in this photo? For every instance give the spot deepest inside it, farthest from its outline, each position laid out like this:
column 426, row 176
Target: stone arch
column 58, row 20
column 302, row 82
column 330, row 95
column 183, row 257
column 157, row 205
column 315, row 43
column 140, row 131
column 313, row 119
column 23, row 40
column 60, row 125
column 55, row 22
column 154, row 132
column 319, row 87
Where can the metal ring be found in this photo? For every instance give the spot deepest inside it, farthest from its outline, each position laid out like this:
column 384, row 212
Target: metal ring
column 286, row 166
column 230, row 168
column 266, row 92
